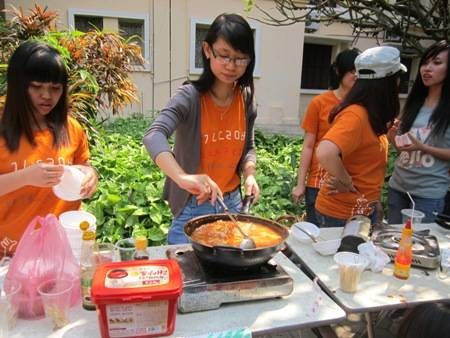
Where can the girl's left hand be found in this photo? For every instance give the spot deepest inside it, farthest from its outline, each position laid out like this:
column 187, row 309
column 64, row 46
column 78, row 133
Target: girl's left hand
column 89, row 184
column 415, row 144
column 251, row 187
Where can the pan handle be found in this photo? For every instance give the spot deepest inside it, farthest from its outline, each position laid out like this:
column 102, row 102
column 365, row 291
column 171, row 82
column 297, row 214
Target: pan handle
column 227, row 248
column 246, row 203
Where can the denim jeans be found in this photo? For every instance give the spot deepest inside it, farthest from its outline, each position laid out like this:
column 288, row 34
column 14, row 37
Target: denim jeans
column 176, row 235
column 399, row 200
column 324, row 221
column 310, row 204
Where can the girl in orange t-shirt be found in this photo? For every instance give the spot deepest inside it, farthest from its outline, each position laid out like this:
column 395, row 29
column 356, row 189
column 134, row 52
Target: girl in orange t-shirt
column 354, row 150
column 36, row 138
column 315, row 124
column 213, row 119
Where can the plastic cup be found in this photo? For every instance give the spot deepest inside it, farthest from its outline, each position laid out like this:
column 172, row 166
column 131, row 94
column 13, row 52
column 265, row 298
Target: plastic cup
column 56, row 296
column 416, row 218
column 102, row 253
column 9, row 308
column 351, row 266
column 70, row 220
column 126, row 249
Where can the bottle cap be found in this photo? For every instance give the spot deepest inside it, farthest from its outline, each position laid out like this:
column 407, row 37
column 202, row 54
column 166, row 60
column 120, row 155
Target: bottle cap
column 84, row 225
column 140, row 242
column 88, row 235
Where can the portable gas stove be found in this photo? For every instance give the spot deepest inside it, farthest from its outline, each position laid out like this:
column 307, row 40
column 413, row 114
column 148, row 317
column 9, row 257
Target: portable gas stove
column 425, row 247
column 207, row 286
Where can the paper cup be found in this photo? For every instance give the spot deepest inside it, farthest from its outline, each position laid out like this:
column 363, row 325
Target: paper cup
column 351, row 266
column 69, row 187
column 416, row 218
column 70, row 220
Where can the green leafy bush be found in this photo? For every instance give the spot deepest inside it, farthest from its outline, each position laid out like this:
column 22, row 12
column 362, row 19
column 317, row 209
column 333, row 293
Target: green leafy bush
column 130, row 187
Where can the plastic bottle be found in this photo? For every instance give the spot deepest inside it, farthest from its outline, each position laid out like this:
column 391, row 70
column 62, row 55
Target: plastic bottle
column 87, row 269
column 403, row 257
column 140, row 243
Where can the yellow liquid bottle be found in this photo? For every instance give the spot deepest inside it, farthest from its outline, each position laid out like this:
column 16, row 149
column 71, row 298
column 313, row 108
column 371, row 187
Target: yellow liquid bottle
column 403, row 257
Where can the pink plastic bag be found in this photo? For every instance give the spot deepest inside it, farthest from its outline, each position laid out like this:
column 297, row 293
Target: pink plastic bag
column 43, row 253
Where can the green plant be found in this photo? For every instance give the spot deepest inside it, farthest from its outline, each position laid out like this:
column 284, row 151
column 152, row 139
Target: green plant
column 129, row 192
column 98, row 63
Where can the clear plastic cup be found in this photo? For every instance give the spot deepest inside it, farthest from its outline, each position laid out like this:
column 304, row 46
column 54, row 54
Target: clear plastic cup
column 416, row 218
column 102, row 253
column 351, row 266
column 9, row 308
column 56, row 296
column 126, row 249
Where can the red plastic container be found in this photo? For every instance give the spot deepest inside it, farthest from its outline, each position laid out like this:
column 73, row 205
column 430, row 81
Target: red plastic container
column 137, row 298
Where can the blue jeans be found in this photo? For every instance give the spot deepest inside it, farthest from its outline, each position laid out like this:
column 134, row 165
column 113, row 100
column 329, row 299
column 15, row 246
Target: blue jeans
column 399, row 200
column 324, row 221
column 176, row 235
column 310, row 204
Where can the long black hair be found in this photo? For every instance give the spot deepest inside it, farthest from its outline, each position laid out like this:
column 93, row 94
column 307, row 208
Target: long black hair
column 440, row 118
column 236, row 31
column 33, row 61
column 344, row 63
column 378, row 96
column 426, row 320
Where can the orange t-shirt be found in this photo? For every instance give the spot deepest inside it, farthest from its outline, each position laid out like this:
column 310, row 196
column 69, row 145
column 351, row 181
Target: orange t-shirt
column 316, row 122
column 364, row 156
column 222, row 140
column 19, row 207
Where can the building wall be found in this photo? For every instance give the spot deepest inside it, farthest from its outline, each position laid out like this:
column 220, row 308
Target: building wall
column 281, row 103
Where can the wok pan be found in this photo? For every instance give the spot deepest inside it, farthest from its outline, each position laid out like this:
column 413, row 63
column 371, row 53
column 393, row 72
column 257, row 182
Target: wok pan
column 231, row 256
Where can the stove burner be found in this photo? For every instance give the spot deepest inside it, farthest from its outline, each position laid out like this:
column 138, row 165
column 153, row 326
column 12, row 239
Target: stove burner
column 425, row 247
column 392, row 241
column 206, row 286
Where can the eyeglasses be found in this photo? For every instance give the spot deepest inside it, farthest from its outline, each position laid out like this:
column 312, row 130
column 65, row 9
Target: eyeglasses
column 226, row 60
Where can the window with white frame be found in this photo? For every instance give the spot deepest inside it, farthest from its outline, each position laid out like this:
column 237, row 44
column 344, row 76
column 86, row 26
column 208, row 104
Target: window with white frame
column 199, row 28
column 132, row 26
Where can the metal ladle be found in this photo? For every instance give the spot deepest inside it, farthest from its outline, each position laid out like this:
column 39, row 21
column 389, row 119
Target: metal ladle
column 247, row 242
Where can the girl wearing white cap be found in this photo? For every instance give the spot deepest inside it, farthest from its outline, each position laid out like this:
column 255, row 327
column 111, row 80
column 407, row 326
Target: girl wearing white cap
column 423, row 139
column 354, row 150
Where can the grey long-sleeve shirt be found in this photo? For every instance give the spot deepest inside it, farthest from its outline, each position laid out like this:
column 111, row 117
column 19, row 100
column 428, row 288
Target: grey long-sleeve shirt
column 182, row 115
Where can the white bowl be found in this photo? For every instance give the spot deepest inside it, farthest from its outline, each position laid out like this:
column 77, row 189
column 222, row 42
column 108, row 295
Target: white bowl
column 72, row 219
column 308, row 227
column 326, row 248
column 68, row 189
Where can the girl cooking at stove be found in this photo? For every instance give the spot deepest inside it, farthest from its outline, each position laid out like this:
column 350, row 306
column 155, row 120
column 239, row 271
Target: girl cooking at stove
column 315, row 124
column 37, row 136
column 422, row 135
column 354, row 150
column 213, row 120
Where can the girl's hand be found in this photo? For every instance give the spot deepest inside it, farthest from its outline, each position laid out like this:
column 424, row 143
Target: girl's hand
column 201, row 186
column 415, row 144
column 89, row 184
column 43, row 175
column 336, row 186
column 251, row 187
column 298, row 193
column 392, row 131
